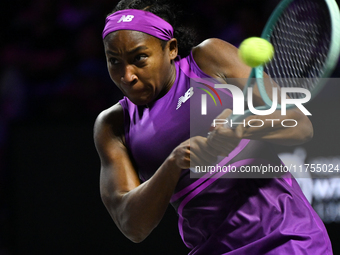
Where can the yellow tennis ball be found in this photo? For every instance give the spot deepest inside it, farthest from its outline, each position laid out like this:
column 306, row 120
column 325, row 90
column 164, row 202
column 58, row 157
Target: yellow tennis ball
column 256, row 51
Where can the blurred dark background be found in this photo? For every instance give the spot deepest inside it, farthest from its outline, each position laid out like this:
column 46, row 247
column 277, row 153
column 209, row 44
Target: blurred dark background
column 53, row 84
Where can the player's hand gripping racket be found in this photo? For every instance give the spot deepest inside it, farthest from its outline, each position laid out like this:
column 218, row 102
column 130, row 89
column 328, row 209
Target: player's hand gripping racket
column 306, row 39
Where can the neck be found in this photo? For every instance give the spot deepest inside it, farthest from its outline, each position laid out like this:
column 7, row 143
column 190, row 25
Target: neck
column 170, row 82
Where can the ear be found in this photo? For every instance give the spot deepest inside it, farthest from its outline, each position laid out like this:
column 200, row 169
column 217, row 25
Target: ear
column 173, row 48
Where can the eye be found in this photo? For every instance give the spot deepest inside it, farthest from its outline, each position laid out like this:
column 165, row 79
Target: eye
column 140, row 57
column 113, row 61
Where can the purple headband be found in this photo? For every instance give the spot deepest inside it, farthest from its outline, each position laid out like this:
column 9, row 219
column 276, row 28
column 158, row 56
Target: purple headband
column 138, row 20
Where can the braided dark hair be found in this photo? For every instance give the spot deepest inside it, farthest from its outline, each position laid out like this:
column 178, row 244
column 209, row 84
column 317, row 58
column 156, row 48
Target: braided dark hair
column 170, row 12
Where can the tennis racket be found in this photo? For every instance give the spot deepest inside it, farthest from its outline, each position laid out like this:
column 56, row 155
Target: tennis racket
column 306, row 39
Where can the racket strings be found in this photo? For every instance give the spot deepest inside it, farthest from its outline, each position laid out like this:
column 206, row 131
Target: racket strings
column 301, row 38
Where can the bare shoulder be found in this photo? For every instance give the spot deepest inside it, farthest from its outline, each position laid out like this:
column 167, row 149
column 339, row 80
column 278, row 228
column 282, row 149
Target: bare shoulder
column 110, row 122
column 213, row 48
column 219, row 59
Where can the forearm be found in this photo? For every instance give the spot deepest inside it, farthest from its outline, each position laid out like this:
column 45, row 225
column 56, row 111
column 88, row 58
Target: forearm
column 138, row 211
column 291, row 129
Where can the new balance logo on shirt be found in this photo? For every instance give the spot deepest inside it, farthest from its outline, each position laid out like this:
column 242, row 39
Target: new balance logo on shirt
column 126, row 18
column 184, row 98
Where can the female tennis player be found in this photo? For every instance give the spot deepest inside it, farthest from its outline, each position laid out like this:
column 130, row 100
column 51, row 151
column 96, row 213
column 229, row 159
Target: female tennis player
column 145, row 146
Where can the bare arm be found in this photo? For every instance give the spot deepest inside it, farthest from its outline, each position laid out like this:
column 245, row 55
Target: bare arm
column 220, row 60
column 135, row 208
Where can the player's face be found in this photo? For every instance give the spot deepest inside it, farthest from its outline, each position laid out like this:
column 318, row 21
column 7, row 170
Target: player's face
column 139, row 66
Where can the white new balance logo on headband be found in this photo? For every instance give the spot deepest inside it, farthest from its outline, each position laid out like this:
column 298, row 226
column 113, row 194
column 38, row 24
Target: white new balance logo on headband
column 126, row 18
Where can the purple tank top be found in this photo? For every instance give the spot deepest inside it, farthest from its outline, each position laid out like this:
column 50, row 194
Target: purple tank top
column 221, row 215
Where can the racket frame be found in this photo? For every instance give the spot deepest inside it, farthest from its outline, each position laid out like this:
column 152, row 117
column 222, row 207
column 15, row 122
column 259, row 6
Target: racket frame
column 256, row 75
